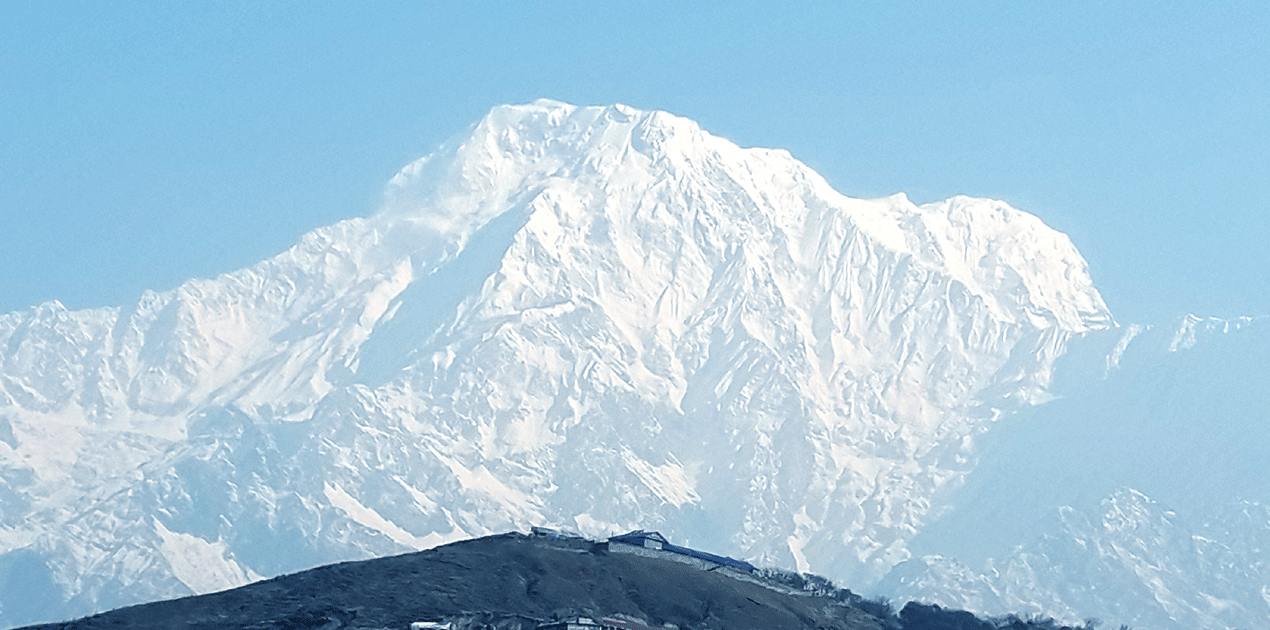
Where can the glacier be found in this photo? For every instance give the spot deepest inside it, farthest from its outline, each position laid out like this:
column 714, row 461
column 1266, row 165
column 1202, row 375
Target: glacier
column 595, row 318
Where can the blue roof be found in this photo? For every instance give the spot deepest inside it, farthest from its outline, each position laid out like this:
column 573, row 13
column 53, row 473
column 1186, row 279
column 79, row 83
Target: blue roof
column 638, row 537
column 723, row 560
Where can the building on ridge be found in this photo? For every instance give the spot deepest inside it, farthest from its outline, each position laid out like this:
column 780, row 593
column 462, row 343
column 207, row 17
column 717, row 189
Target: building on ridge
column 647, row 543
column 641, row 538
column 618, row 622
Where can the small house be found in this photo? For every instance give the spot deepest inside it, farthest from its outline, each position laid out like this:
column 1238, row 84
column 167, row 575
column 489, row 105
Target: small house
column 430, row 625
column 641, row 538
column 575, row 623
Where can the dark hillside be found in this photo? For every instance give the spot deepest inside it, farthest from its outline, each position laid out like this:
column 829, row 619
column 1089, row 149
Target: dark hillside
column 506, row 581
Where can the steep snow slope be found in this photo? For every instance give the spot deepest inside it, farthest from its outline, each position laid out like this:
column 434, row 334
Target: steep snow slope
column 599, row 318
column 1138, row 495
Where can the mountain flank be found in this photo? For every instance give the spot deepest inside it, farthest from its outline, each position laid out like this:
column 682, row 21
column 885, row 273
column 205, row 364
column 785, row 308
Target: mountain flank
column 593, row 318
column 515, row 581
column 542, row 324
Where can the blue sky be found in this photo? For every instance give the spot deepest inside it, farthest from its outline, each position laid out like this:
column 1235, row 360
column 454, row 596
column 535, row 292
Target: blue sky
column 145, row 143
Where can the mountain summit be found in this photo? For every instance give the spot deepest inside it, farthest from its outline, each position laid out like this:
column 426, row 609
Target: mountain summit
column 592, row 317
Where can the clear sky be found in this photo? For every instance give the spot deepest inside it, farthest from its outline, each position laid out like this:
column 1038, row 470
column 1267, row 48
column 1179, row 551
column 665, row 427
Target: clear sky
column 145, row 143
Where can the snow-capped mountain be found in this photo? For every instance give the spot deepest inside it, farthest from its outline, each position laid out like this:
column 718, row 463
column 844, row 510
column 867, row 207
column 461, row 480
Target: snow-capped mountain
column 595, row 318
column 1133, row 560
column 1138, row 496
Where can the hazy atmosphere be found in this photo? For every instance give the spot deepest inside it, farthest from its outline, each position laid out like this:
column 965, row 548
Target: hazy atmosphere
column 963, row 309
column 145, row 143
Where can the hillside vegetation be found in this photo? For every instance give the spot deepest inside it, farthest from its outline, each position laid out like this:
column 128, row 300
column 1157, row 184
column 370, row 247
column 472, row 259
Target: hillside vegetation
column 514, row 581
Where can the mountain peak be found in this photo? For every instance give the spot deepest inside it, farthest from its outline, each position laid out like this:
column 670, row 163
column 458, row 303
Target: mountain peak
column 544, row 324
column 1020, row 267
